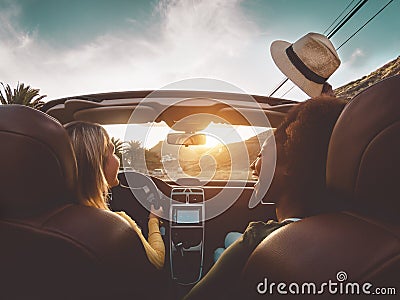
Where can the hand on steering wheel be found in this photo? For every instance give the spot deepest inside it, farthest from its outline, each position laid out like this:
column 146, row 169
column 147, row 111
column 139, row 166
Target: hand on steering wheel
column 144, row 190
column 156, row 213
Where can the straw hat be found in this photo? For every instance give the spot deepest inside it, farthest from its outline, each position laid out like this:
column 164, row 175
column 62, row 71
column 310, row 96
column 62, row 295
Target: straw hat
column 308, row 62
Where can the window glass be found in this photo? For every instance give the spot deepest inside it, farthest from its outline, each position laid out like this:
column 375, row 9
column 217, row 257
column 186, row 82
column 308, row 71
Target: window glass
column 226, row 154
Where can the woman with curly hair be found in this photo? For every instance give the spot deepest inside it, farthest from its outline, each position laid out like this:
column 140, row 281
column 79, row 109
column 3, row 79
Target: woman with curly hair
column 297, row 188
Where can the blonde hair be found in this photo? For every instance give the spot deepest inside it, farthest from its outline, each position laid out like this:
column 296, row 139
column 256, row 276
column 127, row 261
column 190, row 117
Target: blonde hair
column 90, row 142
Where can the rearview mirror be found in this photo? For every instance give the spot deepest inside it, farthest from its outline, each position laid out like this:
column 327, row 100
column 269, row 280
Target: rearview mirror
column 187, row 139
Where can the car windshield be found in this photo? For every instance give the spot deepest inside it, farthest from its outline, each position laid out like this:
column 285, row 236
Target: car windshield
column 209, row 161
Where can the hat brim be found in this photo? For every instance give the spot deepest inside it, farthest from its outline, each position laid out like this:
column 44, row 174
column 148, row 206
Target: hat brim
column 278, row 53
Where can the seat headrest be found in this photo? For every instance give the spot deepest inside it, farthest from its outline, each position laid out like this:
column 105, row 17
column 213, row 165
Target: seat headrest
column 364, row 152
column 38, row 166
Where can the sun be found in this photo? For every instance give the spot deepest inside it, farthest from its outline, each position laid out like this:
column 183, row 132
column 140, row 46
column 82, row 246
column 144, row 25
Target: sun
column 211, row 141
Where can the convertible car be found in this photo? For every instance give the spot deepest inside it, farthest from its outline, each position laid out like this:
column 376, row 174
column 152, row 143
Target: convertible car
column 189, row 152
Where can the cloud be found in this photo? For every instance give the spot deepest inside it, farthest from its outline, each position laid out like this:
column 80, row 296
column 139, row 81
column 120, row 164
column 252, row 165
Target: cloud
column 184, row 39
column 18, row 48
column 356, row 58
column 131, row 20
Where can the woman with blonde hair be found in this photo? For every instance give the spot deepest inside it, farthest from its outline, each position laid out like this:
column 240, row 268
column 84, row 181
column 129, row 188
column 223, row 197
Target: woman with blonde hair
column 97, row 173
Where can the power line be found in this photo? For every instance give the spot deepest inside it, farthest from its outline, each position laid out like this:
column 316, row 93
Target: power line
column 288, row 91
column 279, row 86
column 326, row 30
column 332, row 33
column 365, row 24
column 351, row 12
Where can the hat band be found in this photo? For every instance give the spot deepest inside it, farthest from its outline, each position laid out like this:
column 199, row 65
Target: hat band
column 303, row 69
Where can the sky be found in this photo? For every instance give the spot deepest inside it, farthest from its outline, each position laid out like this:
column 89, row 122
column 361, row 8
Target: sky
column 68, row 48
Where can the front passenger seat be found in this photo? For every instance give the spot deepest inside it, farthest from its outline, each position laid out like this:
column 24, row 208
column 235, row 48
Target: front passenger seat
column 52, row 247
column 359, row 245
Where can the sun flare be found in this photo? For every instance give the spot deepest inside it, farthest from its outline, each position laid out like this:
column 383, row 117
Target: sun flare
column 211, row 141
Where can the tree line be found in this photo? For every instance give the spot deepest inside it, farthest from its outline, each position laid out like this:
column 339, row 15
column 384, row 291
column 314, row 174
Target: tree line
column 131, row 155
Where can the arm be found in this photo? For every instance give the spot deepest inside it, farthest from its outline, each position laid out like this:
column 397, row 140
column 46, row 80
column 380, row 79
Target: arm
column 221, row 281
column 155, row 249
column 156, row 252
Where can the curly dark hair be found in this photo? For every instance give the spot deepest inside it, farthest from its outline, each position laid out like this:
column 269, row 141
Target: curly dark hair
column 302, row 146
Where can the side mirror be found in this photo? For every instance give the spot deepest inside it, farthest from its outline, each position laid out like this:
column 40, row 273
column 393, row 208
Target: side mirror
column 187, row 139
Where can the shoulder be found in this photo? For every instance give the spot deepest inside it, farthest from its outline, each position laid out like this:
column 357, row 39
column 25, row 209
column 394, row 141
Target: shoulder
column 257, row 231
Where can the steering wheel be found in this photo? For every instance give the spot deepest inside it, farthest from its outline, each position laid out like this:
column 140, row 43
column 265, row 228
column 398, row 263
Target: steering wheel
column 143, row 188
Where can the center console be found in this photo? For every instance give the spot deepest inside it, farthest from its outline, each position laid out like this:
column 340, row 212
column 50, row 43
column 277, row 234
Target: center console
column 186, row 234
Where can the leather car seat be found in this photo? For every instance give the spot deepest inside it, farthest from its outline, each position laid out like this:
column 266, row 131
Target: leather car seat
column 52, row 247
column 359, row 245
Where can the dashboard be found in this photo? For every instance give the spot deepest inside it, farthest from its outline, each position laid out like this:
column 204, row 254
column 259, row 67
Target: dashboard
column 190, row 237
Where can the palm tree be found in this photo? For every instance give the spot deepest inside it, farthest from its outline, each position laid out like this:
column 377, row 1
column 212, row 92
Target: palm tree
column 24, row 95
column 119, row 148
column 134, row 152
